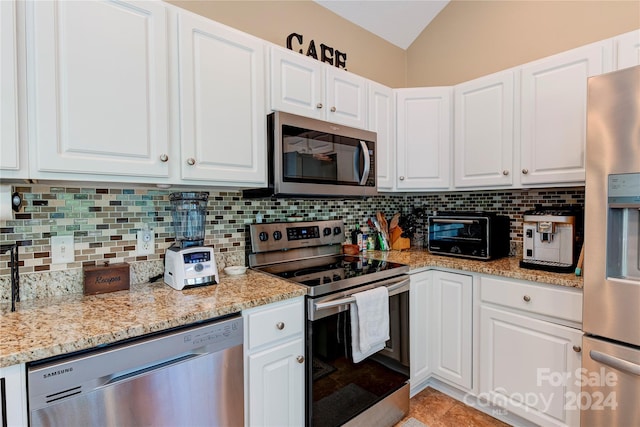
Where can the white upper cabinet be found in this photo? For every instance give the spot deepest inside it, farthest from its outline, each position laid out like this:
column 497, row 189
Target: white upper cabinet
column 484, row 131
column 553, row 115
column 304, row 86
column 99, row 94
column 423, row 138
column 222, row 104
column 346, row 98
column 296, row 84
column 626, row 50
column 13, row 151
column 382, row 121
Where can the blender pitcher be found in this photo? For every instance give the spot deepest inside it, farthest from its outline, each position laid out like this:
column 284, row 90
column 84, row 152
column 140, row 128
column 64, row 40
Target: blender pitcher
column 189, row 211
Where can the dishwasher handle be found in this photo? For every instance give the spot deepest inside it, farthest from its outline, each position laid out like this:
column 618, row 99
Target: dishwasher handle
column 130, row 375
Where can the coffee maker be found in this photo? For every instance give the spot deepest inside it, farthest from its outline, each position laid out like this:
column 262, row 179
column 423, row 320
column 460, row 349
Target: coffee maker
column 551, row 239
column 188, row 263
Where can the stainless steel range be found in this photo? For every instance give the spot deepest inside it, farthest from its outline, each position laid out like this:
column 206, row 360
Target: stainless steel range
column 339, row 391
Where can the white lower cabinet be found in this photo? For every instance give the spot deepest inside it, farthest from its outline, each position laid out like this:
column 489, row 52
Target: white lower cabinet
column 274, row 364
column 420, row 345
column 528, row 365
column 441, row 308
column 452, row 314
column 13, row 396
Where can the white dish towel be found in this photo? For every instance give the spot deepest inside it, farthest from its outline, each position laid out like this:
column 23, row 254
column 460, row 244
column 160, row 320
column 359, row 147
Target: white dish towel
column 369, row 322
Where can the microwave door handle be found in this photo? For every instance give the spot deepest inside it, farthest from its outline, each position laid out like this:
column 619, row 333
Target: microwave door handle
column 367, row 162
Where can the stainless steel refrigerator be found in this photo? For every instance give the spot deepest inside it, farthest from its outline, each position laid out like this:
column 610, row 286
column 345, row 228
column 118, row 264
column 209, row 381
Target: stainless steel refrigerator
column 610, row 378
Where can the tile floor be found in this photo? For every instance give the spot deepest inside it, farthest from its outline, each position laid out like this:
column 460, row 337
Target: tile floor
column 436, row 409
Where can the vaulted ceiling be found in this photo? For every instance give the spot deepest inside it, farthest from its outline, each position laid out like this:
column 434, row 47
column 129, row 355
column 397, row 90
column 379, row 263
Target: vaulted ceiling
column 397, row 21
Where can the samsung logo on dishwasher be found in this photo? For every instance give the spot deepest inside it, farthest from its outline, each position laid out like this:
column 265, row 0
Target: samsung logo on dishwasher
column 57, row 373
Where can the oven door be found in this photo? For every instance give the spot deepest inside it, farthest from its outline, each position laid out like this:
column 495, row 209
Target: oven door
column 339, row 390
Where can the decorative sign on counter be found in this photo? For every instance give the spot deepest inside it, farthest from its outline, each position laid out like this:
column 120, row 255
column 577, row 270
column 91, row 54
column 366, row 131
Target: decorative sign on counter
column 106, row 278
column 327, row 54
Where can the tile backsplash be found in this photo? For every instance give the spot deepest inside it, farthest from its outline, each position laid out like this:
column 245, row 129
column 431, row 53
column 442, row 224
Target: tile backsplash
column 104, row 220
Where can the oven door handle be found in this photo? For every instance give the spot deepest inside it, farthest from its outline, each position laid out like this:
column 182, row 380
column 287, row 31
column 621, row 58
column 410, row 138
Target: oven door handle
column 392, row 288
column 454, row 221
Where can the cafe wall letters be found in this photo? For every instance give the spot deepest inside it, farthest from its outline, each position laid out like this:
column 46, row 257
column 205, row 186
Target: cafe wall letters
column 327, row 54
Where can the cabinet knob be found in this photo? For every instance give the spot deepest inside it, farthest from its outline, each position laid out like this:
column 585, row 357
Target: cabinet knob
column 505, row 172
column 300, row 359
column 191, row 161
column 527, row 298
column 319, row 105
column 164, row 158
column 525, row 171
column 280, row 325
column 577, row 348
column 333, row 109
column 402, row 178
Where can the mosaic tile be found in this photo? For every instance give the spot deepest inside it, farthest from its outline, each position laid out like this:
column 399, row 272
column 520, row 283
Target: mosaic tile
column 106, row 219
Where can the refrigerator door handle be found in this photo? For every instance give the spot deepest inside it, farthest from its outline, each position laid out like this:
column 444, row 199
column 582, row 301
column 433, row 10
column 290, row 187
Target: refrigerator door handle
column 614, row 362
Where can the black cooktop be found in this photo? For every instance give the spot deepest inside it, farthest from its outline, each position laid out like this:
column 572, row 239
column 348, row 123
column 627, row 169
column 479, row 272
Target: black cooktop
column 327, row 274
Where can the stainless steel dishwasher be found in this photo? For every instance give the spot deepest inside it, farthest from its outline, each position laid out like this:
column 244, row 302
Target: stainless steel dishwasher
column 191, row 376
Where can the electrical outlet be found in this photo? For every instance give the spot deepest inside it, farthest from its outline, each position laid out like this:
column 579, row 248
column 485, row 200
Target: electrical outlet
column 62, row 250
column 146, row 242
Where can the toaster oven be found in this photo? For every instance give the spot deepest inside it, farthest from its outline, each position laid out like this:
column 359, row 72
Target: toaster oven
column 475, row 235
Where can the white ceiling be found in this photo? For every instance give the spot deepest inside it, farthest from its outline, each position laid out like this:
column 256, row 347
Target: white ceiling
column 397, row 21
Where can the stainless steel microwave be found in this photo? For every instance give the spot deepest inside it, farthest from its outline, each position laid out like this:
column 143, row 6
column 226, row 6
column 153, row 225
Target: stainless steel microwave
column 314, row 158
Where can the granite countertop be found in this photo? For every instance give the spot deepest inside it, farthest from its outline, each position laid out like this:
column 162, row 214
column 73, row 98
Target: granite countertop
column 53, row 326
column 505, row 267
column 43, row 328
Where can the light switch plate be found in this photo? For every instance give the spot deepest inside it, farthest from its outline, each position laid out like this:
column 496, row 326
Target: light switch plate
column 146, row 242
column 62, row 250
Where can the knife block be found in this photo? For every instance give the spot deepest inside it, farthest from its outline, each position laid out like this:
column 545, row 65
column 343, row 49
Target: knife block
column 398, row 242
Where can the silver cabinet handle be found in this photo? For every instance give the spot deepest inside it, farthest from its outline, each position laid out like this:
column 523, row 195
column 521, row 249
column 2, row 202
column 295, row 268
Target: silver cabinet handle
column 280, row 325
column 525, row 171
column 164, row 158
column 505, row 172
column 614, row 362
column 191, row 161
column 402, row 178
column 300, row 359
column 527, row 298
column 319, row 105
column 333, row 109
column 577, row 348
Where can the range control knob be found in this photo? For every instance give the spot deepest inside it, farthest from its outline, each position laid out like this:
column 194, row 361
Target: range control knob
column 326, row 231
column 277, row 235
column 263, row 236
column 337, row 230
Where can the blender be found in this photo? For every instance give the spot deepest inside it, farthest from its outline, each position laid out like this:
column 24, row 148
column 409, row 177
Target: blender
column 188, row 262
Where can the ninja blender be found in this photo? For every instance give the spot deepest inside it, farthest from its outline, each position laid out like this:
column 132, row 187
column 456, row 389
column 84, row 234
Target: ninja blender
column 188, row 263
